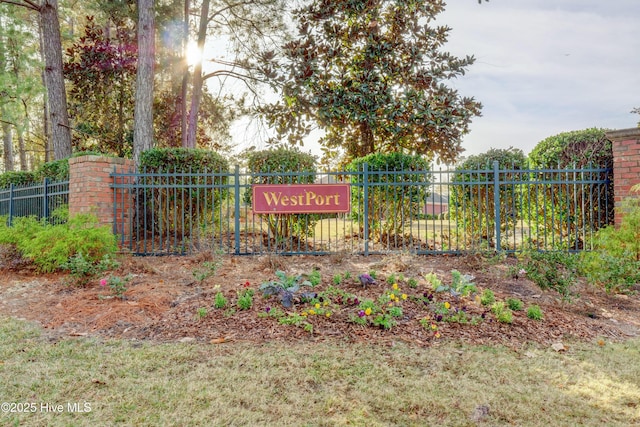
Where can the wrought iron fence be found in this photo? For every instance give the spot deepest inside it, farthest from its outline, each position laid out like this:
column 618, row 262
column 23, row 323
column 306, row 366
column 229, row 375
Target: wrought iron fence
column 37, row 200
column 423, row 212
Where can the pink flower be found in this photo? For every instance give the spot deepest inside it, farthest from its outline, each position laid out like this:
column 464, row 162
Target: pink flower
column 103, row 282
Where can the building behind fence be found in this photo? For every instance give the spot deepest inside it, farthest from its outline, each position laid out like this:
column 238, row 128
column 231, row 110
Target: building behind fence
column 421, row 212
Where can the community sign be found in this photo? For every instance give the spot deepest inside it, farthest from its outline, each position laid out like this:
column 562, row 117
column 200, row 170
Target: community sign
column 301, row 198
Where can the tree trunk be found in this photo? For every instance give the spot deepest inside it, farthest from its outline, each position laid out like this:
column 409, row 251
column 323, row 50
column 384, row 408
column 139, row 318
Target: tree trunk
column 185, row 76
column 54, row 79
column 22, row 151
column 7, row 143
column 196, row 93
column 143, row 114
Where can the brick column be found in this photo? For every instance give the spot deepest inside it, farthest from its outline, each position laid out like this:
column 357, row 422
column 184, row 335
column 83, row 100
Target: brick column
column 90, row 189
column 626, row 166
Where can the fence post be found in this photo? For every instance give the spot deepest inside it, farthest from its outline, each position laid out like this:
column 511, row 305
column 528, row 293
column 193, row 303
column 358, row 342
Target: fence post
column 365, row 202
column 10, row 204
column 236, row 214
column 45, row 198
column 496, row 203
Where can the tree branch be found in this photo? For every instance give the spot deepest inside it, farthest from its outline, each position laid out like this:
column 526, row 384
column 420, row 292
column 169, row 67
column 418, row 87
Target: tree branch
column 27, row 4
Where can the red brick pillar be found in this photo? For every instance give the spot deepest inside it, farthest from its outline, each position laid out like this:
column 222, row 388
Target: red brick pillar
column 90, row 189
column 626, row 166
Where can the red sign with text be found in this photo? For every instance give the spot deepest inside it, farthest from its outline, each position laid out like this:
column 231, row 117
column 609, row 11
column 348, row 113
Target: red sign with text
column 301, row 198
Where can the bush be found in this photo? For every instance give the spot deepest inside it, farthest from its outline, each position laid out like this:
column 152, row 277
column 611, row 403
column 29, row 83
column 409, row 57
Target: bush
column 50, row 247
column 472, row 195
column 615, row 261
column 18, row 178
column 389, row 204
column 284, row 166
column 555, row 270
column 189, row 187
column 574, row 205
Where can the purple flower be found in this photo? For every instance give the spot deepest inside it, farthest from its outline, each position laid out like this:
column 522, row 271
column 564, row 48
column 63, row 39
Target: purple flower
column 438, row 317
column 268, row 309
column 365, row 279
column 361, row 313
column 103, row 282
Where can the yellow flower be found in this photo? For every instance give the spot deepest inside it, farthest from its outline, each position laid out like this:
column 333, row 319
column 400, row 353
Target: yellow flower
column 437, row 335
column 392, row 297
column 434, row 326
column 304, row 314
column 404, row 296
column 395, row 286
column 390, row 304
column 312, row 311
column 447, row 305
column 328, row 314
column 367, row 311
column 326, row 303
column 317, row 305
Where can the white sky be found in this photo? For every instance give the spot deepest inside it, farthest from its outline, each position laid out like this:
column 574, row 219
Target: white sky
column 546, row 66
column 542, row 67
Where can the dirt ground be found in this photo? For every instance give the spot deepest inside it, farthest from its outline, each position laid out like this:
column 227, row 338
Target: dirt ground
column 166, row 301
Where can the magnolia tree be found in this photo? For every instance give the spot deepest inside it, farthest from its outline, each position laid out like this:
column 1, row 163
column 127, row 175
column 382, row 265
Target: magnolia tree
column 373, row 76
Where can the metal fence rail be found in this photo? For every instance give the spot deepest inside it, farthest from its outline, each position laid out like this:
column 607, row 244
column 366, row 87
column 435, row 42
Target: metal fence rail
column 38, row 200
column 423, row 212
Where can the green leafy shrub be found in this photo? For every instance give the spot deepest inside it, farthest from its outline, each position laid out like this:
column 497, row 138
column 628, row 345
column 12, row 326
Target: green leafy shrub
column 220, row 301
column 502, row 312
column 398, row 189
column 17, row 178
column 189, row 200
column 83, row 270
column 487, row 297
column 471, row 202
column 515, row 304
column 245, row 299
column 284, row 166
column 615, row 261
column 534, row 312
column 57, row 170
column 573, row 205
column 50, row 247
column 556, row 270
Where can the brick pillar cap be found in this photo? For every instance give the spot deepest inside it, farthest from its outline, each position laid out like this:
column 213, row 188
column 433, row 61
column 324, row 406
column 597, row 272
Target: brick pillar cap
column 97, row 158
column 624, row 134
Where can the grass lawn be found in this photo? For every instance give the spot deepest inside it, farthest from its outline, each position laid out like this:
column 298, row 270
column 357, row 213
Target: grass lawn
column 311, row 384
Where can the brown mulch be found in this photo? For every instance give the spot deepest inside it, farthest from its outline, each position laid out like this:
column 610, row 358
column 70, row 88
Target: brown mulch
column 163, row 298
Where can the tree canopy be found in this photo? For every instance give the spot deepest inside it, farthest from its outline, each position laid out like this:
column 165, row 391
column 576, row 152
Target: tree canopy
column 372, row 74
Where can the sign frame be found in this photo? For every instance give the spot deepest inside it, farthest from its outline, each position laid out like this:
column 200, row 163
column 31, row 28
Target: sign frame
column 301, row 198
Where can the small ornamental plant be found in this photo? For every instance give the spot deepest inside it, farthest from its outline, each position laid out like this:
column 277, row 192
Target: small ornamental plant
column 201, row 313
column 487, row 297
column 117, row 285
column 220, row 301
column 245, row 299
column 515, row 304
column 287, row 288
column 502, row 312
column 534, row 312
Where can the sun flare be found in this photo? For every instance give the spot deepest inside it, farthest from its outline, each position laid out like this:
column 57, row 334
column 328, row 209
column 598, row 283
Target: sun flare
column 194, row 54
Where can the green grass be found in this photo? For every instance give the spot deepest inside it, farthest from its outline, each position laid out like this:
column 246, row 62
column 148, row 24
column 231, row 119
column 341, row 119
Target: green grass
column 315, row 384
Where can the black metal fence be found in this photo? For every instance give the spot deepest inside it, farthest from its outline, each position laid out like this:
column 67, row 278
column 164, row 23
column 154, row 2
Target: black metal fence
column 422, row 212
column 37, row 200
